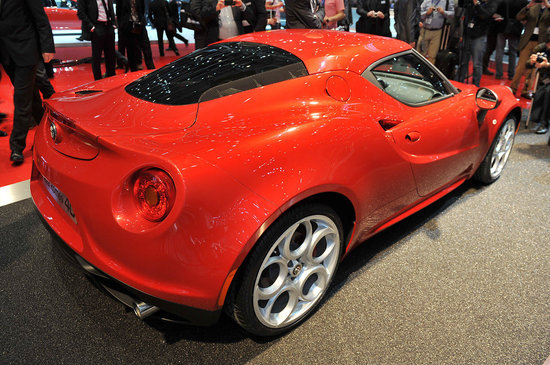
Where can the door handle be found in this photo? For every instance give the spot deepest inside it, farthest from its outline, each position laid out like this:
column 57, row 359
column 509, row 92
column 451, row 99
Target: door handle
column 412, row 136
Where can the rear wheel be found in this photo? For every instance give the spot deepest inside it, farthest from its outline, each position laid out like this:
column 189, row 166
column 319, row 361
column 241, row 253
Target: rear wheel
column 495, row 160
column 289, row 270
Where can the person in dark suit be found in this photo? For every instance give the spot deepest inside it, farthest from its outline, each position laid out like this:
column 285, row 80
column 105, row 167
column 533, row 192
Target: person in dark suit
column 131, row 22
column 25, row 39
column 206, row 13
column 304, row 14
column 374, row 17
column 159, row 16
column 259, row 16
column 175, row 15
column 98, row 19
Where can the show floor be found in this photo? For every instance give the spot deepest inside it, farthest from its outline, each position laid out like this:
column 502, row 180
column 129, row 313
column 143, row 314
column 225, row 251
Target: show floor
column 464, row 281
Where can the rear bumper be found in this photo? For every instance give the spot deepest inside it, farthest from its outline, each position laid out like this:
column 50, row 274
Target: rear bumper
column 128, row 295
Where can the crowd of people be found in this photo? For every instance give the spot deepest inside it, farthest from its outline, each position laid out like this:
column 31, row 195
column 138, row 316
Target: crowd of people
column 467, row 29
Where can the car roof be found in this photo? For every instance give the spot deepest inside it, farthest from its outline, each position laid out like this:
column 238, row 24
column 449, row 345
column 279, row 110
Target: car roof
column 328, row 50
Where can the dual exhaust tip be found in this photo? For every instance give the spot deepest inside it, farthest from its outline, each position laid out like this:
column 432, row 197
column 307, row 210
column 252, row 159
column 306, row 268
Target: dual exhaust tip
column 144, row 310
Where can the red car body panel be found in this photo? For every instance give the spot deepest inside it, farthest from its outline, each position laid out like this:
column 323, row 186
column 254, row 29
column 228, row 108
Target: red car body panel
column 63, row 18
column 238, row 162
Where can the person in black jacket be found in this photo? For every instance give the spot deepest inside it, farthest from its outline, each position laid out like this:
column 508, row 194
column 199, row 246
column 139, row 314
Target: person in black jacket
column 304, row 14
column 131, row 21
column 205, row 12
column 159, row 17
column 258, row 16
column 98, row 20
column 175, row 15
column 374, row 17
column 540, row 112
column 25, row 39
column 219, row 21
column 474, row 39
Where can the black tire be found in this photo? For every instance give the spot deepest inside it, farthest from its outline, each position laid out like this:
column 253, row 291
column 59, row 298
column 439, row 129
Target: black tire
column 301, row 273
column 492, row 165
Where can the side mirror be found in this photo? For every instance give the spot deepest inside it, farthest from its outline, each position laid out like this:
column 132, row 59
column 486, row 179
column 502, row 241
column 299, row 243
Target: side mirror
column 486, row 99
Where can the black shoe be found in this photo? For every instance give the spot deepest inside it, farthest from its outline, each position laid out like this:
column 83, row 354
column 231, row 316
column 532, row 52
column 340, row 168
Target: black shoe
column 488, row 72
column 541, row 129
column 17, row 158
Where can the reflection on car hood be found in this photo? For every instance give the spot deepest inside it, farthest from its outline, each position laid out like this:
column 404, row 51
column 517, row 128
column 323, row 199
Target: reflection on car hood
column 115, row 112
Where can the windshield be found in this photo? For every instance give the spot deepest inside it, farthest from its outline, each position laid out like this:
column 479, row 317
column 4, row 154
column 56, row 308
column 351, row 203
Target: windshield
column 216, row 71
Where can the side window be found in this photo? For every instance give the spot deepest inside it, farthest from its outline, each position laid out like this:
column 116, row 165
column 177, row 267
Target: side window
column 408, row 79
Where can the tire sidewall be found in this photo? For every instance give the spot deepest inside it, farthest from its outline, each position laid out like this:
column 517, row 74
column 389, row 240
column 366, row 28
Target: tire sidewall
column 243, row 309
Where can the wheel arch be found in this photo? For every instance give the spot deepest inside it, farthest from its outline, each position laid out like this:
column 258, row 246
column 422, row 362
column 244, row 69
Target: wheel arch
column 340, row 203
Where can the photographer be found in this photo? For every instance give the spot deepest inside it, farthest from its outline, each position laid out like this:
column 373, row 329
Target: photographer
column 540, row 112
column 434, row 14
column 474, row 40
column 536, row 16
column 374, row 17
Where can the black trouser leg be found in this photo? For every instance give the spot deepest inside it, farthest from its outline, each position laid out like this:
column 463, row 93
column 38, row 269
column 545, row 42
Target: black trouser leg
column 43, row 82
column 109, row 52
column 145, row 46
column 24, row 94
column 160, row 40
column 541, row 106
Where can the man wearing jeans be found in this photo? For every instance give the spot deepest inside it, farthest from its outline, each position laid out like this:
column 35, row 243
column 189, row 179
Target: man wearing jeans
column 474, row 40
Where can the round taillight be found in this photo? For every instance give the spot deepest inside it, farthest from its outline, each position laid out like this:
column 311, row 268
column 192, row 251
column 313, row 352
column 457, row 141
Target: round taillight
column 155, row 194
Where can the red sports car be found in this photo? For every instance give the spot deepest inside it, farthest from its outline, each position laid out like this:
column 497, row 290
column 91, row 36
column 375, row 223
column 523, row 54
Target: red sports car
column 237, row 177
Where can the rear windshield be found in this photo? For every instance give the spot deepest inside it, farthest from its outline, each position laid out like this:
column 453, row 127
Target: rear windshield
column 216, row 71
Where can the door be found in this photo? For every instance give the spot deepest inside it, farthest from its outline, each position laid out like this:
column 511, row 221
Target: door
column 436, row 130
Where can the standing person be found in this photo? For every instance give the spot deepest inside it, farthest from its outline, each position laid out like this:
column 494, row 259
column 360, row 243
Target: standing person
column 511, row 33
column 536, row 16
column 159, row 17
column 258, row 16
column 540, row 112
column 131, row 21
column 406, row 14
column 25, row 35
column 175, row 16
column 274, row 13
column 335, row 10
column 206, row 13
column 474, row 39
column 434, row 13
column 303, row 14
column 374, row 17
column 496, row 25
column 98, row 19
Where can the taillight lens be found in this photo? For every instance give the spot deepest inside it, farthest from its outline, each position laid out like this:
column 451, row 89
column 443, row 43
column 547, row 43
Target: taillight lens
column 155, row 194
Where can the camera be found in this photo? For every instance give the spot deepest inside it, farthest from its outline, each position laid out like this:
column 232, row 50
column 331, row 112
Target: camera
column 229, row 2
column 540, row 57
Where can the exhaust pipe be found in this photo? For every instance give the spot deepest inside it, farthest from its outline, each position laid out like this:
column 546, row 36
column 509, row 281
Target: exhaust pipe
column 144, row 310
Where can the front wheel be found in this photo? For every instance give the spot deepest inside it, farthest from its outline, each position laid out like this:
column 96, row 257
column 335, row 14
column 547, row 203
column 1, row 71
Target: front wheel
column 289, row 270
column 495, row 160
